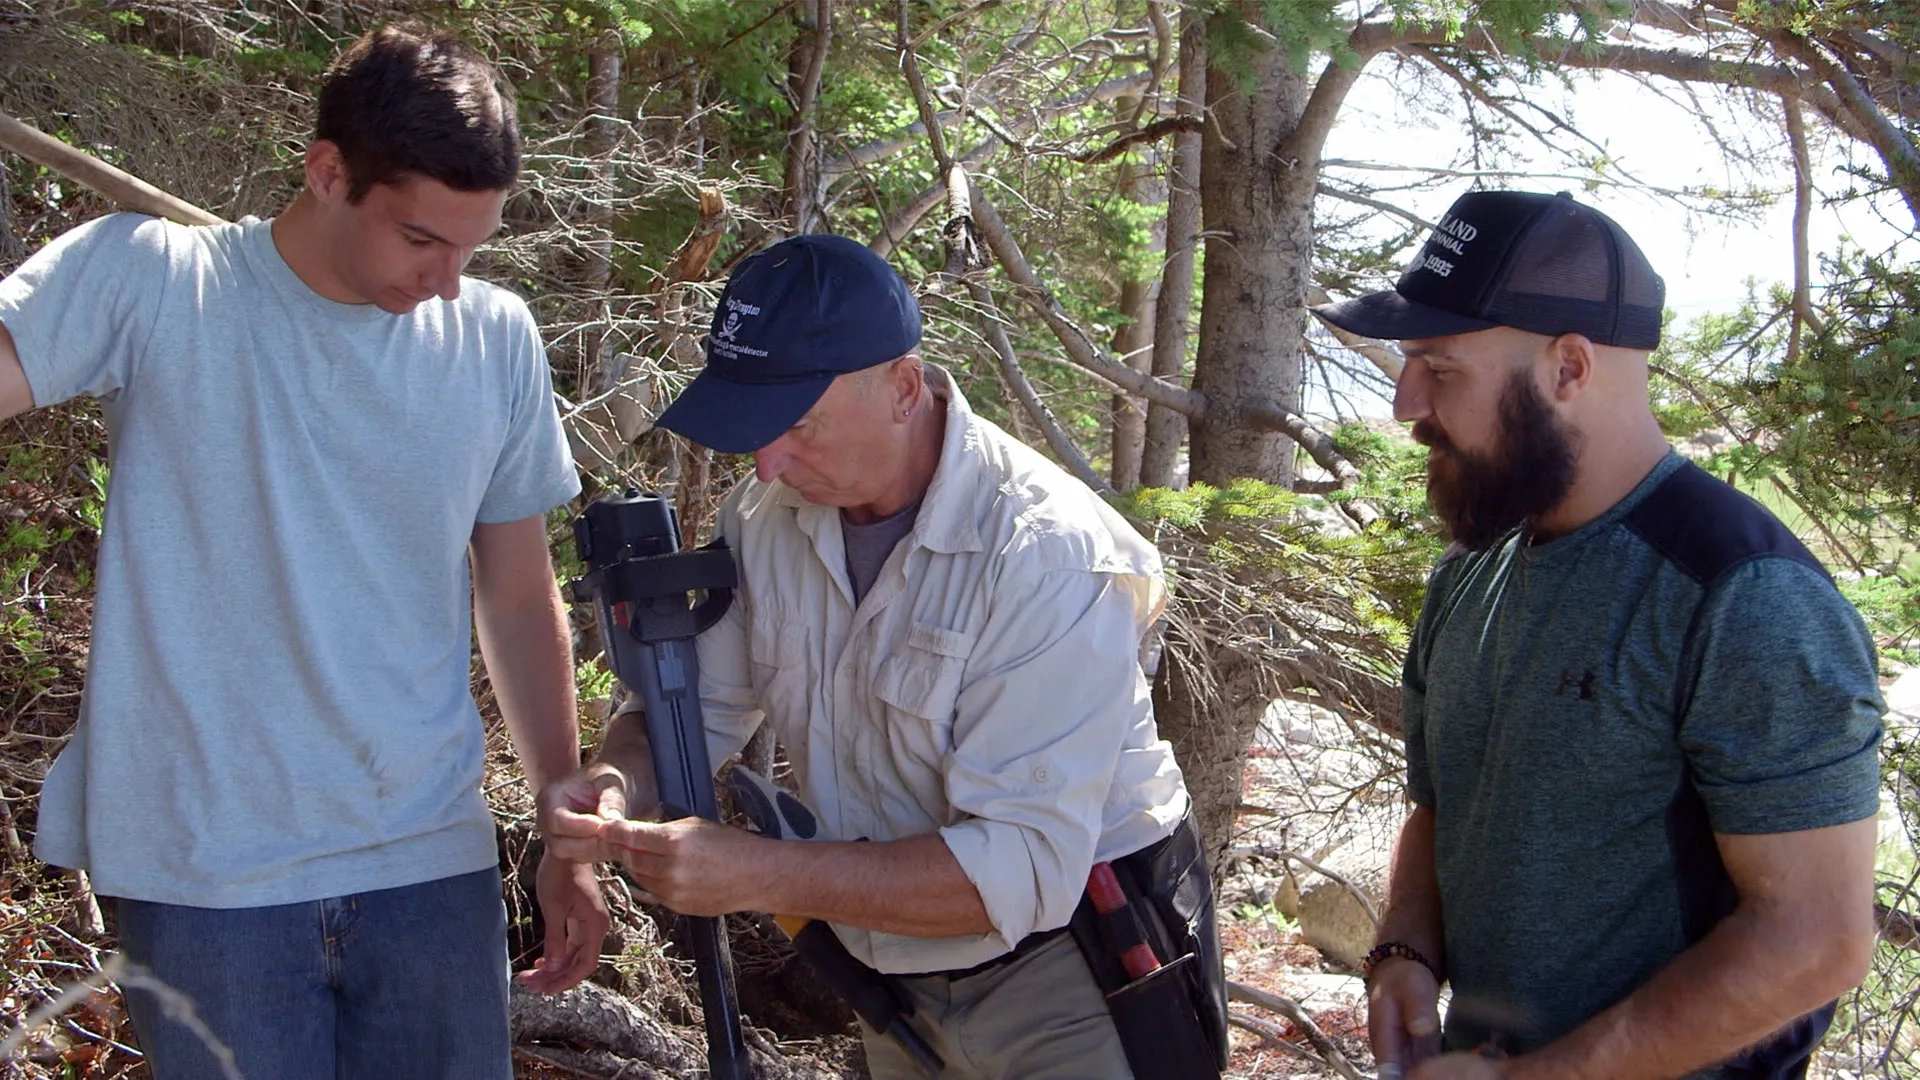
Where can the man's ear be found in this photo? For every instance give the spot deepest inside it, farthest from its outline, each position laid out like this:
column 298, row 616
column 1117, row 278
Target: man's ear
column 1572, row 360
column 908, row 378
column 327, row 172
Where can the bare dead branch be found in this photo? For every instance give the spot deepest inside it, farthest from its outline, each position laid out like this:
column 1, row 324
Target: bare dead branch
column 1384, row 355
column 1173, row 307
column 803, row 184
column 1080, row 347
column 987, row 222
column 1509, row 174
column 1896, row 150
column 929, row 122
column 880, row 149
column 1895, row 57
column 1057, row 438
column 1272, row 1035
column 1289, row 1008
column 1150, row 133
column 1897, row 928
column 962, row 15
column 81, row 167
column 902, row 222
column 690, row 260
column 962, row 262
column 1369, row 39
column 1164, row 57
column 1803, row 314
column 1371, row 203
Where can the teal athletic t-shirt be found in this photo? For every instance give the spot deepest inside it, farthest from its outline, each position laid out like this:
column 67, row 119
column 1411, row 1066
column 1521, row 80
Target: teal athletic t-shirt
column 1584, row 714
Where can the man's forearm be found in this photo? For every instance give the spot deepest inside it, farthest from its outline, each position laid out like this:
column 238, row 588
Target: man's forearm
column 530, row 663
column 1747, row 979
column 626, row 749
column 1413, row 915
column 913, row 886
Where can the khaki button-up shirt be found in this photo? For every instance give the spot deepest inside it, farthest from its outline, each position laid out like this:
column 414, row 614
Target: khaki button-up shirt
column 988, row 687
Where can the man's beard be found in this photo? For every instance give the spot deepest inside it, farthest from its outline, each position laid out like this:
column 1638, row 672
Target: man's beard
column 1480, row 497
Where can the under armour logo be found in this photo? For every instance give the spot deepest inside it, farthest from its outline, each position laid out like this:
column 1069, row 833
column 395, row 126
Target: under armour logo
column 1584, row 682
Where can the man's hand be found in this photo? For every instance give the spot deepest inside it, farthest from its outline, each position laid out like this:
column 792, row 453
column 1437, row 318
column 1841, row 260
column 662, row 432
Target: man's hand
column 575, row 811
column 1403, row 1017
column 15, row 395
column 577, row 921
column 694, row 866
column 1457, row 1067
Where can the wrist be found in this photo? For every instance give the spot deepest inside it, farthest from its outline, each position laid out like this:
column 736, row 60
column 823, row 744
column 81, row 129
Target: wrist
column 774, row 875
column 1397, row 950
column 545, row 768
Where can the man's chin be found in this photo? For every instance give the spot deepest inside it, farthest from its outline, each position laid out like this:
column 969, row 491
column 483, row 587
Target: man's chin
column 398, row 305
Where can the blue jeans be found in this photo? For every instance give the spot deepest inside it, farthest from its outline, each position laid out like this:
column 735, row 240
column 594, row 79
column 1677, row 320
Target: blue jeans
column 399, row 984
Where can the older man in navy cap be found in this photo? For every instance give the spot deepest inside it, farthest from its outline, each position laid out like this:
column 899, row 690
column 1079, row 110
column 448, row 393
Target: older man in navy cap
column 1641, row 722
column 943, row 629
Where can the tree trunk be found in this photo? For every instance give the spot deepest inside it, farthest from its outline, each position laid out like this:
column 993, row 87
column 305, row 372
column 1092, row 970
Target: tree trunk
column 1167, row 429
column 1258, row 218
column 603, row 98
column 806, row 61
column 1258, row 214
column 1208, row 707
column 1133, row 341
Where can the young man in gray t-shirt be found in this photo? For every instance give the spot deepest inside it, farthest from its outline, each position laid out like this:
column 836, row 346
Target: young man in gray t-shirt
column 332, row 457
column 1642, row 724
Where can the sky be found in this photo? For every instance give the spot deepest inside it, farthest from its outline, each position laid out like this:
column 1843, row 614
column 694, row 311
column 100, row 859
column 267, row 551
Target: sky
column 1659, row 139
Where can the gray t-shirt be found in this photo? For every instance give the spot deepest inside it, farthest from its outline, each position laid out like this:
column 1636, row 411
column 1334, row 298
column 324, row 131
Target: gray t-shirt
column 276, row 705
column 1583, row 715
column 869, row 545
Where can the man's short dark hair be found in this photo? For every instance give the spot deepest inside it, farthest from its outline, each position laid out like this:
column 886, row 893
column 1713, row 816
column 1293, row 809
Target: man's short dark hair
column 403, row 99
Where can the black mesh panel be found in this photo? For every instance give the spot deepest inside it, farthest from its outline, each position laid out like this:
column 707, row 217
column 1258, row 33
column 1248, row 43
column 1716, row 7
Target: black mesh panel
column 1558, row 259
column 1640, row 287
column 1564, row 276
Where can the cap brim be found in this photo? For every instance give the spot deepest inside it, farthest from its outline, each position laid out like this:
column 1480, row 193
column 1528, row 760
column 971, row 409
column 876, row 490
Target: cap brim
column 1392, row 317
column 739, row 418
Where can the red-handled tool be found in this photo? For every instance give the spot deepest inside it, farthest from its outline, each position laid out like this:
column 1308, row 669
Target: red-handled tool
column 1103, row 888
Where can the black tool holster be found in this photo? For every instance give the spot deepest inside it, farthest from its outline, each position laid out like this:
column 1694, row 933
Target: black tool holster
column 1173, row 1021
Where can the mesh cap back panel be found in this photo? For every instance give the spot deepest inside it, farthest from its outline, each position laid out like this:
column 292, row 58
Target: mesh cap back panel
column 1558, row 259
column 1577, row 272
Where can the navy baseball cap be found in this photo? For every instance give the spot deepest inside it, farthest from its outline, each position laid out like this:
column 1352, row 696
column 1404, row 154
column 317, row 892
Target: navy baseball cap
column 791, row 319
column 1528, row 260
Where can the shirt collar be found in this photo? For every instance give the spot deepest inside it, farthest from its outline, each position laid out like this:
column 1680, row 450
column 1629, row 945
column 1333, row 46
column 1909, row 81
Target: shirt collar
column 948, row 520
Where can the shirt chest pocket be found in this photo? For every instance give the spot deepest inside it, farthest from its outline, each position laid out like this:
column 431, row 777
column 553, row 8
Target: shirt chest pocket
column 918, row 688
column 779, row 669
column 923, row 678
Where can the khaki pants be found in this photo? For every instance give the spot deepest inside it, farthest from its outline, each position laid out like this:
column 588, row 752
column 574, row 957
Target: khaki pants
column 1038, row 1018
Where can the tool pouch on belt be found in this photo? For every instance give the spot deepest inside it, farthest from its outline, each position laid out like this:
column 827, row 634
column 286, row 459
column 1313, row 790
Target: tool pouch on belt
column 1172, row 1021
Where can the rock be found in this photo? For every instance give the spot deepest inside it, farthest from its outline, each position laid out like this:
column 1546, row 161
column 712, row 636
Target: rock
column 1903, row 701
column 1893, row 841
column 1319, row 990
column 1332, row 918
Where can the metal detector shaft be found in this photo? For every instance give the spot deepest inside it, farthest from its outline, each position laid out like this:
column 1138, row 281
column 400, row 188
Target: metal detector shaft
column 652, row 600
column 669, row 683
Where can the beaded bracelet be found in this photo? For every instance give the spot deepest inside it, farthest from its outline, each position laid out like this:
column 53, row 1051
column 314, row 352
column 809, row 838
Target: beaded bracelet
column 1402, row 950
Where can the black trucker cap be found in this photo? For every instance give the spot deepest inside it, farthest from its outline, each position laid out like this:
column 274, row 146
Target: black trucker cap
column 791, row 319
column 1532, row 261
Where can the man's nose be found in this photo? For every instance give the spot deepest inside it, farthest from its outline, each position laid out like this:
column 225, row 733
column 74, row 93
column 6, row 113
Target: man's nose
column 769, row 463
column 1411, row 401
column 444, row 279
